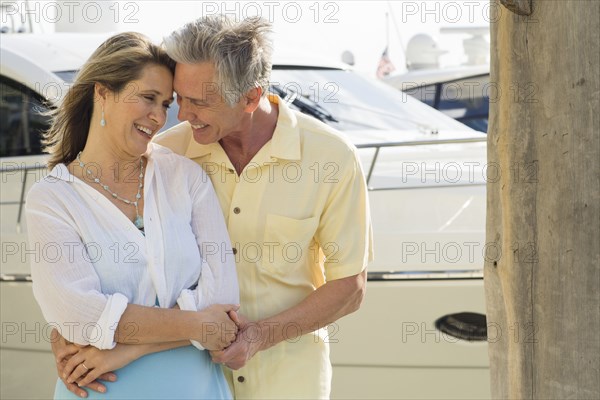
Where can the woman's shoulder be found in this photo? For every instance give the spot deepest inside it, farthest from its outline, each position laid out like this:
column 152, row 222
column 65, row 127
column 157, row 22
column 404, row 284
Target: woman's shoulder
column 56, row 179
column 51, row 188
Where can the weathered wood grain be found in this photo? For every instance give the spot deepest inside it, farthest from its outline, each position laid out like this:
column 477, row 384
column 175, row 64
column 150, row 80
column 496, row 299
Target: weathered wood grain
column 543, row 290
column 520, row 7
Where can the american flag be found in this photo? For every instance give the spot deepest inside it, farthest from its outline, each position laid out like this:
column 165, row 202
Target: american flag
column 385, row 66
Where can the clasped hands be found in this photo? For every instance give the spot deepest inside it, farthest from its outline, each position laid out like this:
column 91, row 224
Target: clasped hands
column 247, row 343
column 225, row 335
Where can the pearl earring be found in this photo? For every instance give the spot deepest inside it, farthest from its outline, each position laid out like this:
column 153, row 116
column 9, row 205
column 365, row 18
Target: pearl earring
column 102, row 120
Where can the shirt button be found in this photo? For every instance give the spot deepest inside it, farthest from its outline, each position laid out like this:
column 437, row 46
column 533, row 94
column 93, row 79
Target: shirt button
column 234, row 250
column 241, row 379
column 236, row 210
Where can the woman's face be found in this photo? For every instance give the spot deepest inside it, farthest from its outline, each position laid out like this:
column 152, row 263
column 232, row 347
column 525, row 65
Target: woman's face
column 136, row 113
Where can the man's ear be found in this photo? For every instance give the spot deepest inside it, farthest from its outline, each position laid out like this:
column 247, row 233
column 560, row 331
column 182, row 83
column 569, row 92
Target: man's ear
column 252, row 99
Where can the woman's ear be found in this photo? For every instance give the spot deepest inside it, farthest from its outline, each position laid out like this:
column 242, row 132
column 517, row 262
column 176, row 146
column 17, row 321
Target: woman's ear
column 100, row 92
column 252, row 98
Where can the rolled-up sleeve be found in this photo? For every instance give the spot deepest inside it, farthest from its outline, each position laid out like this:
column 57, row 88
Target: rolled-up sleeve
column 65, row 283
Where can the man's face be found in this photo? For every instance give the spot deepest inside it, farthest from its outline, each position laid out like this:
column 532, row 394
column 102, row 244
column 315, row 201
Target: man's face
column 201, row 104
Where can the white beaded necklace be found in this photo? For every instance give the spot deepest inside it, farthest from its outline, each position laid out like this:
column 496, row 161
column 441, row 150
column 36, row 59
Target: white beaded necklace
column 139, row 220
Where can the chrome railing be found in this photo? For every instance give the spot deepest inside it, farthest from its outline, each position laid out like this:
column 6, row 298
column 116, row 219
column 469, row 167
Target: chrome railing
column 379, row 146
column 372, row 276
column 24, row 170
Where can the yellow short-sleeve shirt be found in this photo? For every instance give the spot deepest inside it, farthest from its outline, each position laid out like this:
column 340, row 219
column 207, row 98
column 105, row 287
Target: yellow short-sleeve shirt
column 297, row 215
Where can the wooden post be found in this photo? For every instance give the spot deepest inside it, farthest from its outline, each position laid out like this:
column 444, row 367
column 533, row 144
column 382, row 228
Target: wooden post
column 542, row 268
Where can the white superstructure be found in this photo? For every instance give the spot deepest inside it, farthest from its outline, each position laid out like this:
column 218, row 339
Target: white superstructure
column 426, row 174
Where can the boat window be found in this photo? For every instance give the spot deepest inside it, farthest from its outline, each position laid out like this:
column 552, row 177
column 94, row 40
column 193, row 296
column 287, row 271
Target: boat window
column 22, row 120
column 67, row 76
column 357, row 102
column 426, row 94
column 467, row 100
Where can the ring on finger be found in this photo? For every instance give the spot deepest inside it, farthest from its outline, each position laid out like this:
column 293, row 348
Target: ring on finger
column 86, row 368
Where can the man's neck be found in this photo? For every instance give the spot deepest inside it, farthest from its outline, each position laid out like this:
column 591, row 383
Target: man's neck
column 242, row 148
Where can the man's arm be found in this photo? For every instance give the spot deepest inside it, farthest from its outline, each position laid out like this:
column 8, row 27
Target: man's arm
column 325, row 305
column 344, row 221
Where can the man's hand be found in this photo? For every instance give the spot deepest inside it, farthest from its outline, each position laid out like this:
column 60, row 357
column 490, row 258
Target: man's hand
column 246, row 345
column 63, row 351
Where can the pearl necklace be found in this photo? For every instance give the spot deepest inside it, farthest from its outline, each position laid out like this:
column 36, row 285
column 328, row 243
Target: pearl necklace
column 139, row 221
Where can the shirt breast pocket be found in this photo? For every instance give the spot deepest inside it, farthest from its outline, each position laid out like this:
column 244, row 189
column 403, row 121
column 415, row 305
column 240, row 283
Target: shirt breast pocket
column 287, row 243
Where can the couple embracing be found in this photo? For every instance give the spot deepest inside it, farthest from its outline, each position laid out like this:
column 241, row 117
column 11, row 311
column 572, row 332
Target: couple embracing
column 192, row 314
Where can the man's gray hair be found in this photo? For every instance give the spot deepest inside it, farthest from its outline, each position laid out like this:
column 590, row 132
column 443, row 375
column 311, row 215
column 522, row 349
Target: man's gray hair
column 240, row 50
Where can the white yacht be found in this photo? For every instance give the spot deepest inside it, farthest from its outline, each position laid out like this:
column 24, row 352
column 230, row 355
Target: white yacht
column 421, row 332
column 462, row 92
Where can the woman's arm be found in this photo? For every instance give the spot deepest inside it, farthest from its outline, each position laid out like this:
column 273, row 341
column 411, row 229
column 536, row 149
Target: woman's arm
column 70, row 295
column 102, row 363
column 89, row 363
column 84, row 365
column 212, row 327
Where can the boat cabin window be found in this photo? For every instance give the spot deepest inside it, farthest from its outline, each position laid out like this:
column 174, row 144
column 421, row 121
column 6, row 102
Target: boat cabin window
column 466, row 100
column 22, row 120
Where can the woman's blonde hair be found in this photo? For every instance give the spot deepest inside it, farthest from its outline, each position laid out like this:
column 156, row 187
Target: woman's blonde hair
column 116, row 62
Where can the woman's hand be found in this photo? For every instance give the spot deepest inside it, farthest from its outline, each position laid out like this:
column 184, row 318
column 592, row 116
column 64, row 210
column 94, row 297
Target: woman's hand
column 63, row 351
column 218, row 329
column 89, row 363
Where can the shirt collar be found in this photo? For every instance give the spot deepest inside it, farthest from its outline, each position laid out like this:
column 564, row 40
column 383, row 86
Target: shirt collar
column 285, row 143
column 61, row 172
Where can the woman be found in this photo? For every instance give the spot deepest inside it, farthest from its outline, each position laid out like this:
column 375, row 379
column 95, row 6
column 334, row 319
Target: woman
column 144, row 261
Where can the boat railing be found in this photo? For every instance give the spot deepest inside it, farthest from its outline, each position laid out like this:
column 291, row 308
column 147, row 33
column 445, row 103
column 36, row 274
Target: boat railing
column 26, row 170
column 379, row 146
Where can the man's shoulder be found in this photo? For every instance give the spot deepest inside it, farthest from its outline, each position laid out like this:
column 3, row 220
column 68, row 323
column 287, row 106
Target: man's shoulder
column 176, row 138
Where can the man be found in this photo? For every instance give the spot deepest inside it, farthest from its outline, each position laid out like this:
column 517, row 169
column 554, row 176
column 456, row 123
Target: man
column 294, row 198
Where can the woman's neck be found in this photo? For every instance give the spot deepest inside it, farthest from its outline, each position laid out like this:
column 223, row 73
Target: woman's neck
column 106, row 162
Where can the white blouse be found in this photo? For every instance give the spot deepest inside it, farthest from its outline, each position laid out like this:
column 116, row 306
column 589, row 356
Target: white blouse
column 94, row 261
